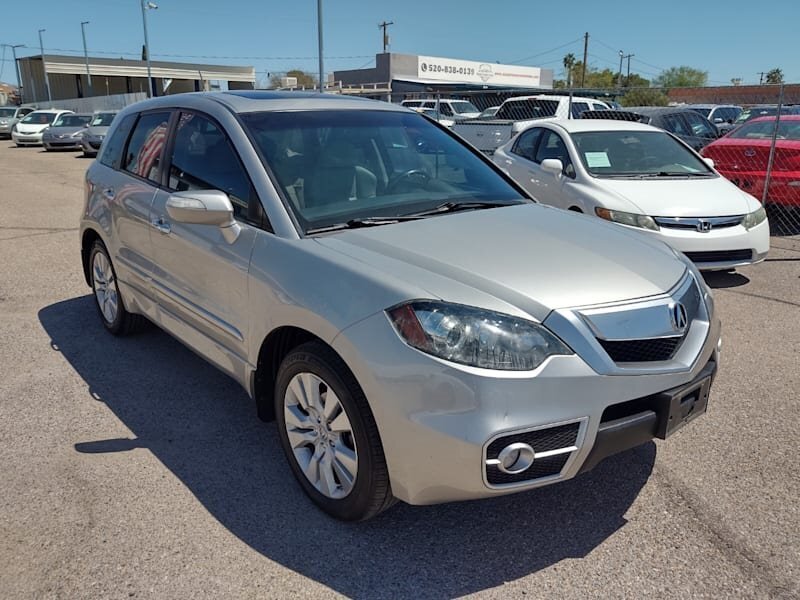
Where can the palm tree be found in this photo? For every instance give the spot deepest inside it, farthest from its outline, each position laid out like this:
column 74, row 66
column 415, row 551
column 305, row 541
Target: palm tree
column 569, row 62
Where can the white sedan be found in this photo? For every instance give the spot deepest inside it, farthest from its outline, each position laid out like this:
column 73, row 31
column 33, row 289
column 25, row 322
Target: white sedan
column 640, row 177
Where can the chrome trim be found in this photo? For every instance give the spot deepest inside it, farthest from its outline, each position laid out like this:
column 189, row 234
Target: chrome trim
column 703, row 224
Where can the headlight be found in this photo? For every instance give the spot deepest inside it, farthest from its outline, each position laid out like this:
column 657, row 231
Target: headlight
column 626, row 218
column 475, row 337
column 754, row 218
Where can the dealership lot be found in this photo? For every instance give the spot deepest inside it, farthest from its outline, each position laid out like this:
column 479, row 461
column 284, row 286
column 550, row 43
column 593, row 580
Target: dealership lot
column 133, row 468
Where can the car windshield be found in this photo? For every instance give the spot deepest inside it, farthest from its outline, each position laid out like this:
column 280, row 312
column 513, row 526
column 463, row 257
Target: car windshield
column 758, row 111
column 764, row 130
column 103, row 119
column 636, row 153
column 464, row 107
column 39, row 118
column 335, row 166
column 703, row 111
column 72, row 120
column 7, row 112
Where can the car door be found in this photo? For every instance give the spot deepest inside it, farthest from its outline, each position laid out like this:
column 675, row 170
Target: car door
column 551, row 189
column 128, row 180
column 520, row 157
column 201, row 278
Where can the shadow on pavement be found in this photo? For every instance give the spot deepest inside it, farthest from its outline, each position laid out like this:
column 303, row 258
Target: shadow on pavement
column 724, row 279
column 203, row 428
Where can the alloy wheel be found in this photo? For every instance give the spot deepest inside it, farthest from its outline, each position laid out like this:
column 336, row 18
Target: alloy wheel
column 105, row 287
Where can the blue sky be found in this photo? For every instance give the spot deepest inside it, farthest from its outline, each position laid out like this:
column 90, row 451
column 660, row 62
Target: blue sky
column 738, row 41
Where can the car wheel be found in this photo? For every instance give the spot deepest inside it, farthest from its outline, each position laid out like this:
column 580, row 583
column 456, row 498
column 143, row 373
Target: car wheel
column 106, row 293
column 329, row 434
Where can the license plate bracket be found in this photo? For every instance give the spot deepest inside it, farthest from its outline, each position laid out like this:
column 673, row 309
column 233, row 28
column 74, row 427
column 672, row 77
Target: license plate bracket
column 681, row 406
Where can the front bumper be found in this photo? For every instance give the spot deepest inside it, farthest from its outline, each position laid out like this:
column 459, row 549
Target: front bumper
column 26, row 138
column 61, row 144
column 91, row 145
column 438, row 420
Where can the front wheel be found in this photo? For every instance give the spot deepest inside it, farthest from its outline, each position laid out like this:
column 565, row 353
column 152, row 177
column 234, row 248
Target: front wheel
column 329, row 434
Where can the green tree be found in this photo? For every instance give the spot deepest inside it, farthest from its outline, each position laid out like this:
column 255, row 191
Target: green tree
column 303, row 79
column 775, row 76
column 644, row 97
column 569, row 63
column 635, row 81
column 682, row 76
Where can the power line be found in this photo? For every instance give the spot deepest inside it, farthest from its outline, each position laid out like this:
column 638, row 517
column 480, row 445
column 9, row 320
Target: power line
column 527, row 58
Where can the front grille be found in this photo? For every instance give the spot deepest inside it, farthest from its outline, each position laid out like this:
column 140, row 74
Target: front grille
column 720, row 256
column 541, row 440
column 699, row 223
column 647, row 350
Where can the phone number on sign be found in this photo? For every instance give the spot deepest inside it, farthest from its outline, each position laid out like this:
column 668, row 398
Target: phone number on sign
column 434, row 68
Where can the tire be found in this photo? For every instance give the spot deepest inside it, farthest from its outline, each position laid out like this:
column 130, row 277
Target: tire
column 326, row 441
column 108, row 300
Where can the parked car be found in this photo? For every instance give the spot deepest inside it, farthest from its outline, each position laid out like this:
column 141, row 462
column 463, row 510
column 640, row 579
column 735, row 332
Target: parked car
column 520, row 112
column 96, row 132
column 29, row 130
column 743, row 155
column 66, row 132
column 436, row 116
column 448, row 107
column 690, row 126
column 644, row 179
column 320, row 250
column 765, row 110
column 9, row 116
column 721, row 115
column 488, row 113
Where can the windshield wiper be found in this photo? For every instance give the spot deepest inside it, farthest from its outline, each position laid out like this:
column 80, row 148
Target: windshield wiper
column 446, row 207
column 363, row 222
column 675, row 174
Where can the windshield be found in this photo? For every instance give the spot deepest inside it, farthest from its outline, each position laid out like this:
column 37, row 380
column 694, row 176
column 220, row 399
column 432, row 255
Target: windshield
column 7, row 112
column 103, row 119
column 72, row 120
column 758, row 111
column 462, row 107
column 703, row 111
column 337, row 165
column 39, row 118
column 635, row 153
column 763, row 130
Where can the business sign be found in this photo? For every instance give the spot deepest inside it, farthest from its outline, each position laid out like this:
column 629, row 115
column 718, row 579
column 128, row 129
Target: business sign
column 451, row 70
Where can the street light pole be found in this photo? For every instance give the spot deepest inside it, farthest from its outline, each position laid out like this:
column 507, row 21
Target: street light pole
column 619, row 77
column 16, row 66
column 145, row 7
column 86, row 57
column 44, row 67
column 319, row 36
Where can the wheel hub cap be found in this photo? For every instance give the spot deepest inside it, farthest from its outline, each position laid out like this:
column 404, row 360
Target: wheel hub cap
column 105, row 288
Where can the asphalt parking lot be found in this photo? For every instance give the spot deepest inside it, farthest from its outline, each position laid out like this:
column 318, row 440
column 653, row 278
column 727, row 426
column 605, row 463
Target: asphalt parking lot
column 131, row 468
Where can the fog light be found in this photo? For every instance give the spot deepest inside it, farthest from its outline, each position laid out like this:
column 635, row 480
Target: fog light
column 515, row 458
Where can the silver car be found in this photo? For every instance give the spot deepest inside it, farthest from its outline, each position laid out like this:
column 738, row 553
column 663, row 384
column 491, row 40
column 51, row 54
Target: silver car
column 417, row 326
column 66, row 132
column 96, row 132
column 9, row 116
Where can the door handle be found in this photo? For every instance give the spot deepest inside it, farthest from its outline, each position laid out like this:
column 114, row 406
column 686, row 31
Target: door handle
column 109, row 193
column 161, row 225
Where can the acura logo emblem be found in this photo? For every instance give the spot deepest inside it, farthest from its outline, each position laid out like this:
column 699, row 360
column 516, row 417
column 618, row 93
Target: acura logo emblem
column 704, row 226
column 679, row 317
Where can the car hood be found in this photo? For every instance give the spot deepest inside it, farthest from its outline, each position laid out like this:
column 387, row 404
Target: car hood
column 97, row 130
column 31, row 127
column 530, row 258
column 64, row 130
column 664, row 197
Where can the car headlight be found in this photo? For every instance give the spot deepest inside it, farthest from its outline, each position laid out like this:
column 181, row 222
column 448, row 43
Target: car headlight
column 754, row 218
column 475, row 337
column 626, row 218
column 78, row 134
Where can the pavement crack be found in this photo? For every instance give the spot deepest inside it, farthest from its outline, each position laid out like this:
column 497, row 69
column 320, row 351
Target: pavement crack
column 763, row 297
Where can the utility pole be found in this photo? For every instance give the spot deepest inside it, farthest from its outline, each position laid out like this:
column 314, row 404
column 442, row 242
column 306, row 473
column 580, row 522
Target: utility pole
column 383, row 26
column 86, row 57
column 44, row 67
column 145, row 7
column 16, row 66
column 585, row 57
column 628, row 78
column 619, row 76
column 319, row 43
column 761, row 77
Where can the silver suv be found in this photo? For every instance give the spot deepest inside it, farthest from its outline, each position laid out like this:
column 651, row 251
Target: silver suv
column 416, row 325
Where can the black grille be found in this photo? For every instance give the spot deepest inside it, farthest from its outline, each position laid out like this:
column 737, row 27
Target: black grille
column 541, row 440
column 719, row 256
column 541, row 467
column 647, row 350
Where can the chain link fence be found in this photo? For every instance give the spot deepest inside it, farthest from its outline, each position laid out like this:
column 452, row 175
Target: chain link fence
column 751, row 133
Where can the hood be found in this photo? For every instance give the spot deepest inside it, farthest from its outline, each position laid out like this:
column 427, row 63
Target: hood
column 665, row 197
column 64, row 130
column 97, row 130
column 31, row 127
column 531, row 257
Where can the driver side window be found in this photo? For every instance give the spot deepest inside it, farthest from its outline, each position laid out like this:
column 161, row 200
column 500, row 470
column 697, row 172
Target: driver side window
column 552, row 146
column 526, row 143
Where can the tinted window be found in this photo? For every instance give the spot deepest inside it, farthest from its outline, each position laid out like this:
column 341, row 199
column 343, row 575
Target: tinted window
column 552, row 146
column 526, row 143
column 111, row 152
column 445, row 109
column 677, row 124
column 39, row 118
column 146, row 146
column 700, row 126
column 578, row 108
column 337, row 165
column 764, row 130
column 703, row 111
column 72, row 120
column 203, row 159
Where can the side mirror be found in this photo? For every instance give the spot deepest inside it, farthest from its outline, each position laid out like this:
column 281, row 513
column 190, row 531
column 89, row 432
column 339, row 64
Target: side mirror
column 204, row 207
column 709, row 161
column 553, row 165
column 718, row 120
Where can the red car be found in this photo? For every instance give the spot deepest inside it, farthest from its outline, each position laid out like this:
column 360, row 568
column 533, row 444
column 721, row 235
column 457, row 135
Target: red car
column 742, row 156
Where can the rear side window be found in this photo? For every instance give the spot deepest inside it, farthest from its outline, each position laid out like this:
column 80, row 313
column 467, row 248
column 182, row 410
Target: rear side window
column 111, row 153
column 146, row 146
column 526, row 143
column 578, row 108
